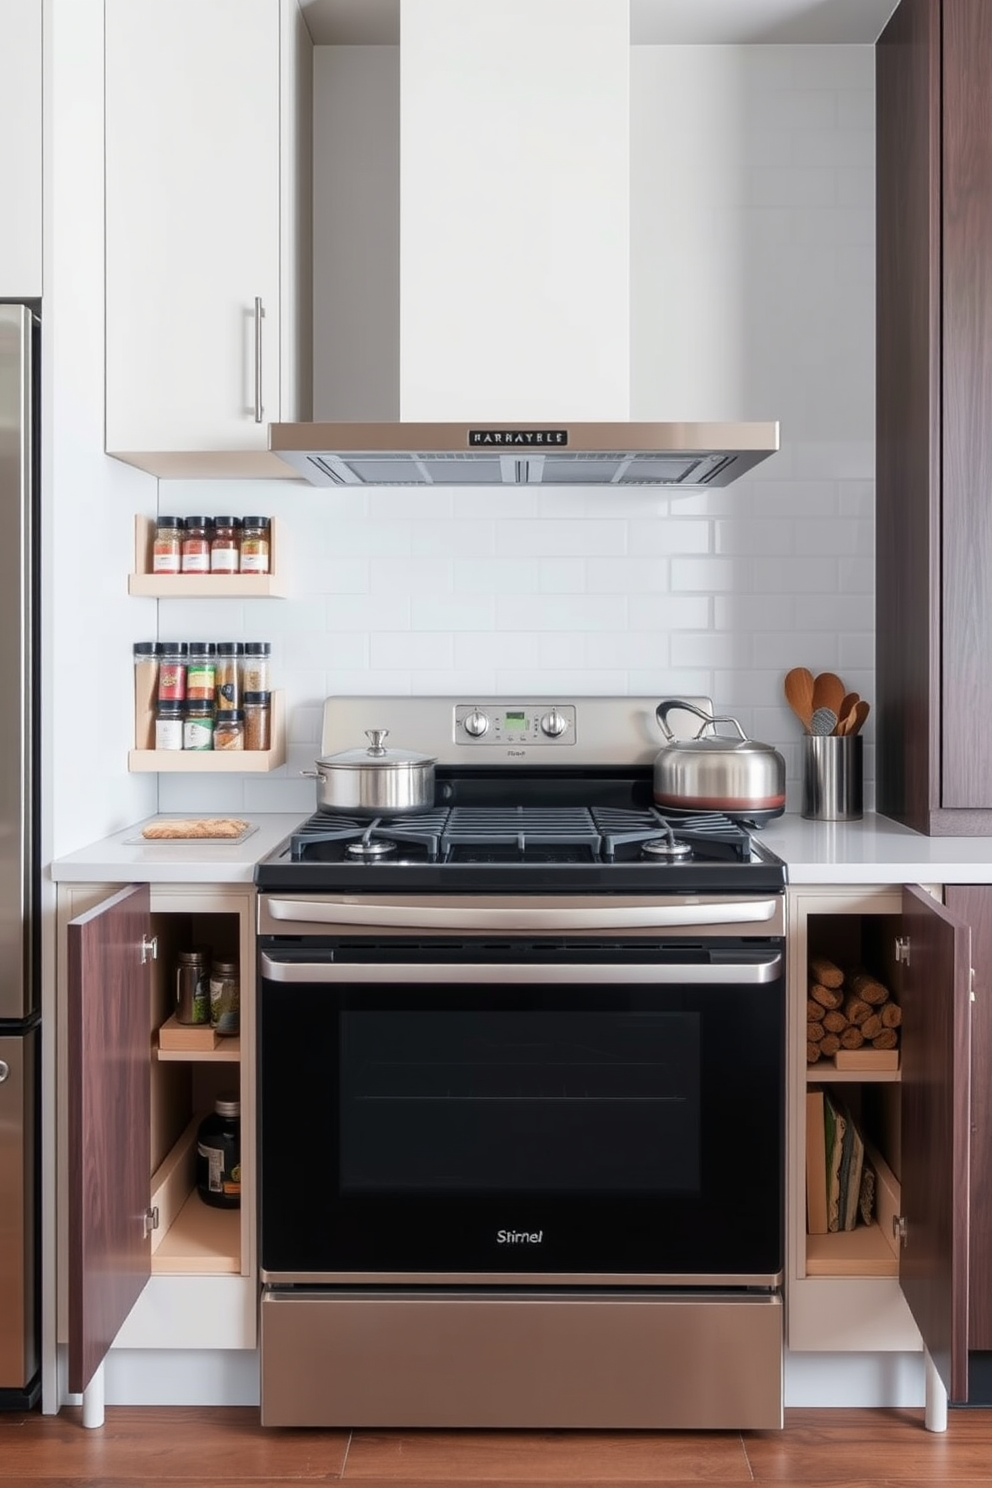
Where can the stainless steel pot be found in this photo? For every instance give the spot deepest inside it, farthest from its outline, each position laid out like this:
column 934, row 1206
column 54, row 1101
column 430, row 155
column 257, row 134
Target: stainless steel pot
column 374, row 781
column 714, row 772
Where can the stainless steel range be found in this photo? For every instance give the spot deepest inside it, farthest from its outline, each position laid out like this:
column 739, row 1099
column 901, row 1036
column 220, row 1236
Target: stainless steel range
column 521, row 1088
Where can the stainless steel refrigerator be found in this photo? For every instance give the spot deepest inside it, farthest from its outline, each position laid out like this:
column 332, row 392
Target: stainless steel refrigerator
column 20, row 1022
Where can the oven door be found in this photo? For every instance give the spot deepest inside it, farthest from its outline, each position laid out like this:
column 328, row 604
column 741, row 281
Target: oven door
column 517, row 1110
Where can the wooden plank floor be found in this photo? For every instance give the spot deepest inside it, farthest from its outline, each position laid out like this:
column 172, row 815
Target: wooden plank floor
column 140, row 1447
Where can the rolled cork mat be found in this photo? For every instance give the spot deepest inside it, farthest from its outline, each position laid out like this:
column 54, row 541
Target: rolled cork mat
column 856, row 1011
column 868, row 988
column 829, row 1044
column 814, row 1032
column 834, row 1022
column 814, row 1011
column 812, row 1052
column 827, row 973
column 887, row 1039
column 871, row 1027
column 891, row 1015
column 852, row 1038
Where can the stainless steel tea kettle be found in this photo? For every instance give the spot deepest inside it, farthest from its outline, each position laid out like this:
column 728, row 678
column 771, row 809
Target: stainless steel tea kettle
column 715, row 772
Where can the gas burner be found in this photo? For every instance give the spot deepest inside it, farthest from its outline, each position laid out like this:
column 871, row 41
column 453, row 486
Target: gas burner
column 367, row 848
column 667, row 848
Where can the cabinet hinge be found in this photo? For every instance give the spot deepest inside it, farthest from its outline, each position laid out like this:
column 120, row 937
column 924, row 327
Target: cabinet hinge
column 902, row 949
column 899, row 1228
column 149, row 948
column 150, row 1220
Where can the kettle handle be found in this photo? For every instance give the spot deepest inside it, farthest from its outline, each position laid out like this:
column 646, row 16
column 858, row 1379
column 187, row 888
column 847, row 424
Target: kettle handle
column 663, row 709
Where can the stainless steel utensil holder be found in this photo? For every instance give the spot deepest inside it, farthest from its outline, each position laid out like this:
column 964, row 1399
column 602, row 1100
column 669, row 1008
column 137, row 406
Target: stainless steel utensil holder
column 833, row 777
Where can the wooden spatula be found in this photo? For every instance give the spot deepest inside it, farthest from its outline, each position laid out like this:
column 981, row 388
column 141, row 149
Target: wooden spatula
column 828, row 692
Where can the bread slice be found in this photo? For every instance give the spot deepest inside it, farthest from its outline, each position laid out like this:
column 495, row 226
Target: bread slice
column 207, row 826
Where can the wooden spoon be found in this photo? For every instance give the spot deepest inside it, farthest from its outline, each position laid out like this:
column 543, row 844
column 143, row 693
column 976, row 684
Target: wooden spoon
column 828, row 692
column 799, row 694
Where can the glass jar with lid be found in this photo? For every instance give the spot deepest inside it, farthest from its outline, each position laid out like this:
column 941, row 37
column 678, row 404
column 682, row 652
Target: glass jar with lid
column 225, row 998
column 227, row 680
column 258, row 730
column 172, row 658
column 229, row 728
column 167, row 545
column 196, row 545
column 225, row 545
column 255, row 668
column 255, row 545
column 169, row 725
column 198, row 725
column 201, row 671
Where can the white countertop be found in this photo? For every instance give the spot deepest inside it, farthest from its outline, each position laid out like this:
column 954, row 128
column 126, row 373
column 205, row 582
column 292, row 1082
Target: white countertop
column 872, row 851
column 115, row 860
column 875, row 850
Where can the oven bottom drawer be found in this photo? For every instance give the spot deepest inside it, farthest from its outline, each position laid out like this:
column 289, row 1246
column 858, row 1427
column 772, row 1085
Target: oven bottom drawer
column 639, row 1360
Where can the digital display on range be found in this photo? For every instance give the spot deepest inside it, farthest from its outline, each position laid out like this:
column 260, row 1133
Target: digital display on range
column 515, row 720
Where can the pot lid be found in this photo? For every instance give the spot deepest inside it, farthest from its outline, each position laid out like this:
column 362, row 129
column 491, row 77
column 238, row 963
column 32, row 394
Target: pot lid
column 375, row 755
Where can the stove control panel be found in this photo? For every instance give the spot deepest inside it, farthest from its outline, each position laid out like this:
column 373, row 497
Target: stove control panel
column 510, row 724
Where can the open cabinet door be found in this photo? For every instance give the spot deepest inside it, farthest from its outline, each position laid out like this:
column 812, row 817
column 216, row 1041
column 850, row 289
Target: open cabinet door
column 936, row 1105
column 109, row 1039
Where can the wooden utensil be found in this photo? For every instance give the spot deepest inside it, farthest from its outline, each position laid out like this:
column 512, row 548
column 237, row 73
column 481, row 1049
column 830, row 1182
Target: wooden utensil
column 828, row 692
column 861, row 711
column 799, row 694
column 846, row 707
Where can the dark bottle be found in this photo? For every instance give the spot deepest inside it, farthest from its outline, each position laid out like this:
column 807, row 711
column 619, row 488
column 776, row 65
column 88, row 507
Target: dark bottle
column 218, row 1154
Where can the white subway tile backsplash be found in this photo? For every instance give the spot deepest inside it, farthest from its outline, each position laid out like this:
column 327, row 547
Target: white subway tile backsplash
column 568, row 538
column 752, row 289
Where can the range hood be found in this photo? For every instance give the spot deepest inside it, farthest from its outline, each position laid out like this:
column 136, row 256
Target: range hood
column 477, row 454
column 474, row 321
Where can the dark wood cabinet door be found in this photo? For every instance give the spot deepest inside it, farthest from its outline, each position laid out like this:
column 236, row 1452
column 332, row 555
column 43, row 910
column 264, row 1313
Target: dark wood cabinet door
column 907, row 486
column 973, row 904
column 935, row 1100
column 109, row 1040
column 966, row 692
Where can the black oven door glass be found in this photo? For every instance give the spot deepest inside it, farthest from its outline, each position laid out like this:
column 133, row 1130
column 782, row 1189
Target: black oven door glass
column 522, row 1125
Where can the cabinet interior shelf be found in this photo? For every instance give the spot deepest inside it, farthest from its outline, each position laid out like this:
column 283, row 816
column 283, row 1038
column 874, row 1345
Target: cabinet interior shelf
column 217, row 761
column 822, row 1073
column 192, row 1237
column 863, row 1251
column 202, row 586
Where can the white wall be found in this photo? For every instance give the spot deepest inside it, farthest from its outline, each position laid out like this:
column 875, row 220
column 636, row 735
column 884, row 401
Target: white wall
column 752, row 280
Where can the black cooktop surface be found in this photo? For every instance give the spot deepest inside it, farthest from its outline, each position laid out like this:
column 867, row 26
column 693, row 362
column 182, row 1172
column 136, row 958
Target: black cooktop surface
column 621, row 843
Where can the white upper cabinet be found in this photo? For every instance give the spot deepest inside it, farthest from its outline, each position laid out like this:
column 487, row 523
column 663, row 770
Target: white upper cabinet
column 208, row 138
column 20, row 149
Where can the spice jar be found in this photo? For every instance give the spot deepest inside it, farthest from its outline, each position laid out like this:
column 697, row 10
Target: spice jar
column 192, row 988
column 227, row 680
column 166, row 545
column 198, row 728
column 172, row 656
column 169, row 725
column 196, row 545
column 201, row 671
column 145, row 693
column 257, row 720
column 255, row 671
column 229, row 728
column 225, row 998
column 224, row 546
column 255, row 545
column 218, row 1153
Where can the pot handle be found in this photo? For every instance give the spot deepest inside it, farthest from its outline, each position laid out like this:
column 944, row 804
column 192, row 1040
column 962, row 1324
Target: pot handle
column 663, row 709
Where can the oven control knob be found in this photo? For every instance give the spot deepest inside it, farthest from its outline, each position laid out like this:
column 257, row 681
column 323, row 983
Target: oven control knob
column 476, row 723
column 554, row 724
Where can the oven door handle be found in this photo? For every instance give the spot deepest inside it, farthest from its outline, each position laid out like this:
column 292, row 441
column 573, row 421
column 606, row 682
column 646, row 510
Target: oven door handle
column 355, row 911
column 751, row 973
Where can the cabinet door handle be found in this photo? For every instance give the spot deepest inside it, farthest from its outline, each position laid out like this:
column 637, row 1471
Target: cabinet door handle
column 259, row 315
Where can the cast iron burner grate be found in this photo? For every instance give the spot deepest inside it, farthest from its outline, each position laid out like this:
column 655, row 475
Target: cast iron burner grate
column 454, row 834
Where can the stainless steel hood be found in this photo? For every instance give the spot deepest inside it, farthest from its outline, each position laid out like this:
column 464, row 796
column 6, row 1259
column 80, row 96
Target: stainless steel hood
column 557, row 454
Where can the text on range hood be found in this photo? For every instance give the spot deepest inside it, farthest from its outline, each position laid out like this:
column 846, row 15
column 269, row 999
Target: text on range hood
column 436, row 454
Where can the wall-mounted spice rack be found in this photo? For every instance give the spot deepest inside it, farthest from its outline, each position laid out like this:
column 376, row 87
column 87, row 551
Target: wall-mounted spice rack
column 210, row 761
column 203, row 585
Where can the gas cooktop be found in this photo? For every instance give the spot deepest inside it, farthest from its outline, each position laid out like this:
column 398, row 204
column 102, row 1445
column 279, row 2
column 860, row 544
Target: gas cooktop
column 564, row 814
